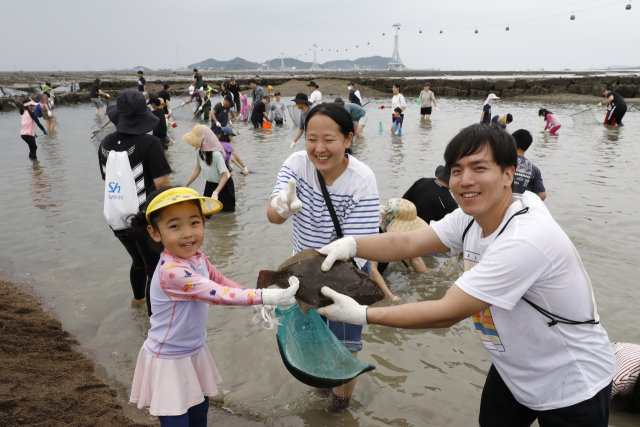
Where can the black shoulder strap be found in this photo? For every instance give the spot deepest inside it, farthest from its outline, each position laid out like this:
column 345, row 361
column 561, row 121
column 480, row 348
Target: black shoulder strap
column 332, row 212
column 327, row 200
column 467, row 229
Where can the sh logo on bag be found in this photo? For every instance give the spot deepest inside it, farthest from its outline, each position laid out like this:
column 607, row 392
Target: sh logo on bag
column 114, row 188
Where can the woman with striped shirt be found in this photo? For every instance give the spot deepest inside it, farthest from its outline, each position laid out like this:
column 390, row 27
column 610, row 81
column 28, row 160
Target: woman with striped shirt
column 354, row 195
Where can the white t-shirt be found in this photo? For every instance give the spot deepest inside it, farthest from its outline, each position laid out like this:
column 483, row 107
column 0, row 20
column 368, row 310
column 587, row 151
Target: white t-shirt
column 544, row 367
column 315, row 97
column 398, row 101
column 354, row 196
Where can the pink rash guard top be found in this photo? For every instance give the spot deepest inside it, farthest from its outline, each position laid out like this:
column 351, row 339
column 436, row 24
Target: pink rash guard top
column 552, row 121
column 181, row 291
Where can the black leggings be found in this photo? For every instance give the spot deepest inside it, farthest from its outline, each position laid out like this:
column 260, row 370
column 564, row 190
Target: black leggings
column 615, row 115
column 144, row 262
column 31, row 141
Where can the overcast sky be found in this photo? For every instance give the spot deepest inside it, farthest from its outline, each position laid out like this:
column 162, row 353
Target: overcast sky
column 78, row 34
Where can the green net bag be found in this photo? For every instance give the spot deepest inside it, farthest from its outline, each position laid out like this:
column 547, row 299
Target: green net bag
column 312, row 353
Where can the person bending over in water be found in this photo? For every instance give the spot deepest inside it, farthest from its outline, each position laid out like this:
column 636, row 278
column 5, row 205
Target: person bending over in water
column 326, row 166
column 175, row 373
column 553, row 123
column 502, row 121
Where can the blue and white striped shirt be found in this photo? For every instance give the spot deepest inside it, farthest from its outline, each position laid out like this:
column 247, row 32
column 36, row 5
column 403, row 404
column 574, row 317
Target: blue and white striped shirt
column 354, row 196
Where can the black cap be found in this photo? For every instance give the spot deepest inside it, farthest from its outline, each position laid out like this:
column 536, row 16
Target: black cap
column 351, row 84
column 153, row 100
column 130, row 113
column 312, row 83
column 277, row 94
column 338, row 100
column 233, row 78
column 443, row 173
column 302, row 98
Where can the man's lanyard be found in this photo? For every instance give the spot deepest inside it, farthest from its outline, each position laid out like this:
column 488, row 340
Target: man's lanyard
column 555, row 319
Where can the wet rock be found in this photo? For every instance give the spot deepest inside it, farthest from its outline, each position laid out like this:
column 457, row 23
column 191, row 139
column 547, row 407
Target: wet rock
column 477, row 84
column 504, row 84
column 537, row 90
column 625, row 91
column 597, row 89
column 438, row 90
column 556, row 82
column 488, row 84
column 575, row 89
column 450, row 91
column 558, row 89
column 525, row 84
column 476, row 93
column 626, row 80
column 509, row 93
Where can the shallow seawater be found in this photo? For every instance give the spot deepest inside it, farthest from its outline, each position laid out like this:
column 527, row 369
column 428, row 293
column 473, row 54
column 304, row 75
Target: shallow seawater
column 54, row 233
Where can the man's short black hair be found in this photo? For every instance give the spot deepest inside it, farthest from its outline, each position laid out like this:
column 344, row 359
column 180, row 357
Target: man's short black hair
column 476, row 138
column 523, row 139
column 266, row 97
column 165, row 86
column 195, row 70
column 608, row 88
column 140, row 72
column 252, row 81
column 509, row 118
column 229, row 98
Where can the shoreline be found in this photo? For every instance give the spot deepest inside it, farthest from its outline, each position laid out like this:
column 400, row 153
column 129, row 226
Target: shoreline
column 48, row 376
column 516, row 86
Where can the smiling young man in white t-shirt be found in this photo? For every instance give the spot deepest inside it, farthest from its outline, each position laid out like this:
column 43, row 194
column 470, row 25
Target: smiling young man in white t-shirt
column 524, row 286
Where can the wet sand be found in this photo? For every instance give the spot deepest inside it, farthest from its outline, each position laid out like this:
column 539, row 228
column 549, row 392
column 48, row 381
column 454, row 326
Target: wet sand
column 47, row 380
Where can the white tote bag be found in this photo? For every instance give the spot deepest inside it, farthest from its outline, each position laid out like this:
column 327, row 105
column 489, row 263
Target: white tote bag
column 120, row 195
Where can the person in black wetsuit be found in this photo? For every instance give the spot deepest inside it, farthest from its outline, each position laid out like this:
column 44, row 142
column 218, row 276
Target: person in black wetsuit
column 615, row 115
column 160, row 131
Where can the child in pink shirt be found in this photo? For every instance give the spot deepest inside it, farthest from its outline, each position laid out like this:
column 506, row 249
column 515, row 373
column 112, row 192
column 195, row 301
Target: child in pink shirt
column 552, row 120
column 29, row 122
column 175, row 372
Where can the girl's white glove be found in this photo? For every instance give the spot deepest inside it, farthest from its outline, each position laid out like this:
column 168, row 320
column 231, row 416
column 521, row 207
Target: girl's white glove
column 287, row 203
column 292, row 146
column 283, row 297
column 214, row 195
column 342, row 249
column 344, row 309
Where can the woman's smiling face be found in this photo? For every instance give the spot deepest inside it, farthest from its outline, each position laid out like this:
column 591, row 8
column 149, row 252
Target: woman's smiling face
column 180, row 229
column 325, row 143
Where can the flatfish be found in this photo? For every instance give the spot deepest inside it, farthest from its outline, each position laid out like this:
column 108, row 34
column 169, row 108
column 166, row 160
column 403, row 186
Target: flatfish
column 343, row 277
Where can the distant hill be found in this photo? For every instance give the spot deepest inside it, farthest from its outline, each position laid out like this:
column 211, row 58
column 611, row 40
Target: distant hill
column 377, row 62
column 140, row 67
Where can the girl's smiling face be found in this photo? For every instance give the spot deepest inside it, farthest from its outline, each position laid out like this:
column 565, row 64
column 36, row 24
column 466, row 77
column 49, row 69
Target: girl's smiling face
column 180, row 228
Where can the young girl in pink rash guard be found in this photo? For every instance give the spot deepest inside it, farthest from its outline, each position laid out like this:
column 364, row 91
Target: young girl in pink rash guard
column 175, row 372
column 553, row 123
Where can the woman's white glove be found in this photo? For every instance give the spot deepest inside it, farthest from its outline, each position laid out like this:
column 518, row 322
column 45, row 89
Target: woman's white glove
column 292, row 146
column 214, row 195
column 342, row 249
column 245, row 170
column 49, row 113
column 344, row 309
column 284, row 297
column 287, row 203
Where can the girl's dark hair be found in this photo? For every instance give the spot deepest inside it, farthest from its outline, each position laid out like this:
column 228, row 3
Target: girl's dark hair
column 207, row 156
column 224, row 85
column 338, row 114
column 96, row 82
column 509, row 118
column 543, row 113
column 224, row 138
column 22, row 107
column 633, row 400
column 398, row 110
column 398, row 86
column 475, row 138
column 138, row 222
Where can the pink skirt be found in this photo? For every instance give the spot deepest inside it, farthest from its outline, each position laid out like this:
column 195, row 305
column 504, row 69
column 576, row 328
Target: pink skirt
column 172, row 386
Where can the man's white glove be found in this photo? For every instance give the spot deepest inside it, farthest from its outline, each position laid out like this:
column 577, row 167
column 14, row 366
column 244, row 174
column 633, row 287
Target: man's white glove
column 284, row 297
column 218, row 124
column 293, row 146
column 437, row 109
column 245, row 170
column 286, row 203
column 108, row 96
column 600, row 104
column 49, row 113
column 342, row 249
column 145, row 94
column 199, row 108
column 344, row 309
column 182, row 104
column 214, row 195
